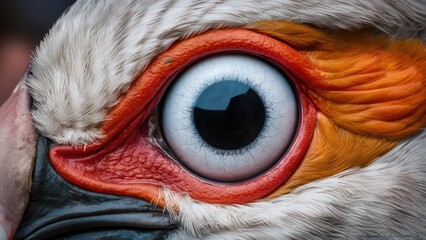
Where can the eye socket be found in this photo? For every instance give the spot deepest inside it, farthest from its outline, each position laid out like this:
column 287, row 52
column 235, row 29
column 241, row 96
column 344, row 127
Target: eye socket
column 229, row 117
column 132, row 159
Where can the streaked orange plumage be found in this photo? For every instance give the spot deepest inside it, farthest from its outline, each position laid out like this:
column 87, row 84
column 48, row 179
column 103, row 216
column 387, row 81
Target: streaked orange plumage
column 333, row 150
column 366, row 83
column 370, row 91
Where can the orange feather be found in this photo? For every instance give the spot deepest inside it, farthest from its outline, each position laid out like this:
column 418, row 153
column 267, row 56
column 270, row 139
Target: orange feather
column 370, row 92
column 367, row 83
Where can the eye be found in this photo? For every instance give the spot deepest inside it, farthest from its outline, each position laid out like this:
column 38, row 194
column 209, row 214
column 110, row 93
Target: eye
column 214, row 152
column 229, row 117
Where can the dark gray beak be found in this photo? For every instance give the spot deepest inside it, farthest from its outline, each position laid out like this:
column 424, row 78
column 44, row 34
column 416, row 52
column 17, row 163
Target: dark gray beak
column 60, row 210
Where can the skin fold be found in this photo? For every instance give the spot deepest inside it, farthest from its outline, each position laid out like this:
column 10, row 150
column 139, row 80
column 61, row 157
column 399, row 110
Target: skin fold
column 18, row 136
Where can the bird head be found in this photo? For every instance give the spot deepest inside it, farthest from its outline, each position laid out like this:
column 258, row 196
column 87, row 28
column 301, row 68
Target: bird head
column 226, row 120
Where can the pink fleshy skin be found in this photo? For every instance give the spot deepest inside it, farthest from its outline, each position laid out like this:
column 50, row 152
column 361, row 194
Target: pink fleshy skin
column 18, row 140
column 2, row 234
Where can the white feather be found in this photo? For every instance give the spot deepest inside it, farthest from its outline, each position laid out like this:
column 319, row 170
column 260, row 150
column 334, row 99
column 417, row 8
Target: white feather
column 385, row 200
column 95, row 51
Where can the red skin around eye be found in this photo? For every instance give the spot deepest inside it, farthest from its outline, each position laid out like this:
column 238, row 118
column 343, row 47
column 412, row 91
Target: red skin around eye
column 125, row 163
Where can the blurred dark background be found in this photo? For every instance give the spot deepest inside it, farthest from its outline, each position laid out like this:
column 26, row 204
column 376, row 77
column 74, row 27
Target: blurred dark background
column 23, row 23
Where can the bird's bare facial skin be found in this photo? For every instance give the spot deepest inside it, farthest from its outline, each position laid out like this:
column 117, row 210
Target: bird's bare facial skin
column 230, row 177
column 18, row 141
column 284, row 120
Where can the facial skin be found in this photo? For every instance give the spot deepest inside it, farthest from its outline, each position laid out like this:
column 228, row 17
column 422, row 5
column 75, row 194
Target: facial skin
column 18, row 139
column 26, row 23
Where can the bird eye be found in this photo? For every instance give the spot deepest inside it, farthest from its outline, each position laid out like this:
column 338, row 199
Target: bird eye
column 228, row 125
column 229, row 117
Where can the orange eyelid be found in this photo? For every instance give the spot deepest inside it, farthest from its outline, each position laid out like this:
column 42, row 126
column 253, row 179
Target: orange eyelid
column 368, row 83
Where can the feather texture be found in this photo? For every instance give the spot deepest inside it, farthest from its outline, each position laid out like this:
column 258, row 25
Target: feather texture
column 384, row 200
column 96, row 50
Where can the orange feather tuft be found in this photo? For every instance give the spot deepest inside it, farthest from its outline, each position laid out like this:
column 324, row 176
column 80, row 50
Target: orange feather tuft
column 333, row 150
column 367, row 83
column 370, row 91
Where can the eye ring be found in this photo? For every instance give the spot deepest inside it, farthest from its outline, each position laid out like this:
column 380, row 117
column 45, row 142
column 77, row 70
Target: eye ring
column 229, row 117
column 122, row 129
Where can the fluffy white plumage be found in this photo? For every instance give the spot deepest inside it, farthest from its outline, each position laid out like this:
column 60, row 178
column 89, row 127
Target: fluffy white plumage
column 97, row 48
column 385, row 200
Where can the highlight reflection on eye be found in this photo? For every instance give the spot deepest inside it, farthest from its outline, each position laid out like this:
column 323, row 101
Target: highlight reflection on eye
column 229, row 117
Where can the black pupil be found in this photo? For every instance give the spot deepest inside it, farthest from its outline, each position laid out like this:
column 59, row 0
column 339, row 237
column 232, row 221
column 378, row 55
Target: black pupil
column 229, row 115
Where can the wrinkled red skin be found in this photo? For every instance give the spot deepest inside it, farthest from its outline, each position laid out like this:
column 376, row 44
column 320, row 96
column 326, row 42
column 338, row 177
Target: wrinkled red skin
column 125, row 163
